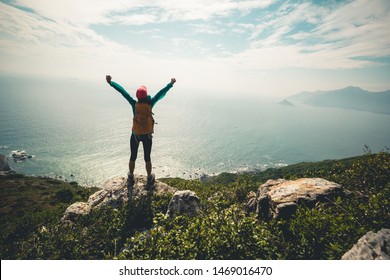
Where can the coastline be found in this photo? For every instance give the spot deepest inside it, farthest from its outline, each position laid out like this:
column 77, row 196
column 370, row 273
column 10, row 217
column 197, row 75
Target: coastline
column 199, row 173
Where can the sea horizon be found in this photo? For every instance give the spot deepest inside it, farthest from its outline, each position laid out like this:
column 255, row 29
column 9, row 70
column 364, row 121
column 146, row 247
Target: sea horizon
column 80, row 133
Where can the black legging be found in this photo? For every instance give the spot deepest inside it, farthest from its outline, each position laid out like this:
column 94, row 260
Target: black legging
column 146, row 142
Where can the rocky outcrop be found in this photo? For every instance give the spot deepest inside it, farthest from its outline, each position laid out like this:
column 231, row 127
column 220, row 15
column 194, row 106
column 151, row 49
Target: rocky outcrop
column 280, row 198
column 371, row 246
column 115, row 193
column 183, row 202
column 75, row 210
column 4, row 167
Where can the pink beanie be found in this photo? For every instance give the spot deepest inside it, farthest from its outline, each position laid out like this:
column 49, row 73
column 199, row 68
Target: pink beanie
column 142, row 92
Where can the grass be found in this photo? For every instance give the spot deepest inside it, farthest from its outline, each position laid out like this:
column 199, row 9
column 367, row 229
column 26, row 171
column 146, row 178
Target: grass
column 31, row 209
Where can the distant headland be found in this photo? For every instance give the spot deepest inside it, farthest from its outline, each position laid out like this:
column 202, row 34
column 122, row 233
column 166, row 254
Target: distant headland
column 353, row 98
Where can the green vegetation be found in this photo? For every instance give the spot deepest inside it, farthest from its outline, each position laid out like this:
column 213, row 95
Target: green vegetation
column 31, row 213
column 29, row 203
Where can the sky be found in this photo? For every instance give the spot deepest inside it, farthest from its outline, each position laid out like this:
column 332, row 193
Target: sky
column 261, row 48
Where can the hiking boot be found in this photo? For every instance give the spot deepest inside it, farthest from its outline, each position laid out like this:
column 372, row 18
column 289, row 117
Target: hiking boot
column 151, row 180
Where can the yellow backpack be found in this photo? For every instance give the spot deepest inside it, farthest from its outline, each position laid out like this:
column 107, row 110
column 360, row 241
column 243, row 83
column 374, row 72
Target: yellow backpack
column 143, row 122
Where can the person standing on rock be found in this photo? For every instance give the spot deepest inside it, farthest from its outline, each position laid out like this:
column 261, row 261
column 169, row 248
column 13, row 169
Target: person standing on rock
column 143, row 124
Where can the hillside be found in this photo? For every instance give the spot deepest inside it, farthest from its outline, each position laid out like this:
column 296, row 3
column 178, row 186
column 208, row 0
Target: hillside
column 31, row 211
column 353, row 98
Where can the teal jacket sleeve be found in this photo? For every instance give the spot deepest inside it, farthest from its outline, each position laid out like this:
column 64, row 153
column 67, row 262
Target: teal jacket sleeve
column 159, row 95
column 124, row 93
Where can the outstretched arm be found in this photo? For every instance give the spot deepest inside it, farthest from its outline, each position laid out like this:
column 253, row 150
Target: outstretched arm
column 119, row 88
column 159, row 95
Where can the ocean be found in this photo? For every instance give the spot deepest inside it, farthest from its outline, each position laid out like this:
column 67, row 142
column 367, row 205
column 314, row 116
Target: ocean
column 80, row 132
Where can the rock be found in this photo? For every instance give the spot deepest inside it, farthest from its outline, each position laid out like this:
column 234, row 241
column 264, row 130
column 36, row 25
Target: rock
column 115, row 193
column 4, row 164
column 280, row 198
column 75, row 210
column 263, row 207
column 141, row 189
column 371, row 246
column 183, row 202
column 252, row 202
column 286, row 210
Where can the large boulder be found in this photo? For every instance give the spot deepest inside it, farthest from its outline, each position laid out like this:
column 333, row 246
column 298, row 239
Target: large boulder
column 183, row 202
column 280, row 198
column 75, row 210
column 116, row 193
column 113, row 193
column 371, row 246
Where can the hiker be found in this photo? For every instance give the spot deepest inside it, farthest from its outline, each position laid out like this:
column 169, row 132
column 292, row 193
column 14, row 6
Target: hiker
column 143, row 123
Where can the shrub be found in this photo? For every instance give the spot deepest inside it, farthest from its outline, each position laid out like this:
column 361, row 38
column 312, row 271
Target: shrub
column 328, row 231
column 218, row 233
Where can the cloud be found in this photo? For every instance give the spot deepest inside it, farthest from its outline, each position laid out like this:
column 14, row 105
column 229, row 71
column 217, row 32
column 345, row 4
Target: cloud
column 337, row 37
column 219, row 42
column 360, row 26
column 62, row 29
column 184, row 43
column 207, row 29
column 179, row 10
column 32, row 44
column 135, row 12
column 136, row 19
